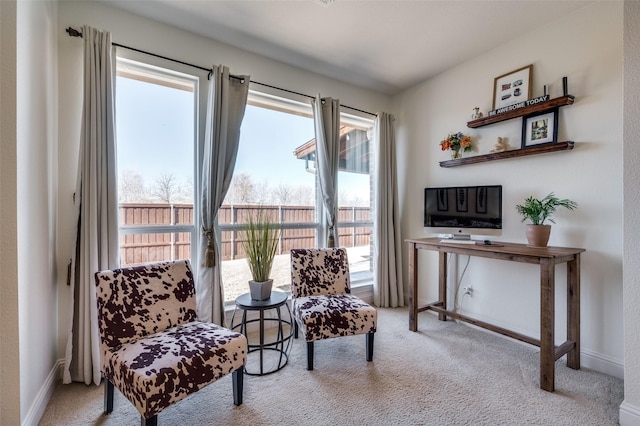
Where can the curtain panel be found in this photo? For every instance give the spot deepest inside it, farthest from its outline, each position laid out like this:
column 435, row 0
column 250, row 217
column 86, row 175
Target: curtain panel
column 96, row 244
column 326, row 121
column 227, row 100
column 387, row 278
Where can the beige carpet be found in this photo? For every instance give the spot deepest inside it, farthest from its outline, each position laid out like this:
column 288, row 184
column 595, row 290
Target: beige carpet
column 445, row 374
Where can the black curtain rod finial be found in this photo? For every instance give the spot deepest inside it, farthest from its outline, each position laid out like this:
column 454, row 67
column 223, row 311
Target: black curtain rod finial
column 73, row 32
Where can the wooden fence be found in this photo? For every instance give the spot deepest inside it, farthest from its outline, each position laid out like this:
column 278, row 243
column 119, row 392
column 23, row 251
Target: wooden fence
column 142, row 248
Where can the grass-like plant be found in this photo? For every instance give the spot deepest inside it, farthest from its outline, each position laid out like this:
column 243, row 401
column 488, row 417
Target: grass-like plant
column 260, row 244
column 537, row 211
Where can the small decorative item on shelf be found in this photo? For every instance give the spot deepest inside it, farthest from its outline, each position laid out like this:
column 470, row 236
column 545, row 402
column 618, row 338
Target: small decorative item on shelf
column 457, row 143
column 476, row 114
column 501, row 145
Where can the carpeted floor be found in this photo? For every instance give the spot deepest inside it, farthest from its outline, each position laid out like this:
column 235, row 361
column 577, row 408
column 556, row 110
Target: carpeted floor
column 445, row 374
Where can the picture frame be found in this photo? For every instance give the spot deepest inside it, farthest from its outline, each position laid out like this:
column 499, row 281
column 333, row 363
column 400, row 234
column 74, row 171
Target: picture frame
column 540, row 128
column 512, row 87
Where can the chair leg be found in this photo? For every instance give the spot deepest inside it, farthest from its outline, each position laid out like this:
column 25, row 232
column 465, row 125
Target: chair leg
column 295, row 329
column 151, row 421
column 238, row 384
column 369, row 346
column 309, row 356
column 108, row 396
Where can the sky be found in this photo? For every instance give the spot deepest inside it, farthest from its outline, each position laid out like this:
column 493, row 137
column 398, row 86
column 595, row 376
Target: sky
column 267, row 141
column 155, row 129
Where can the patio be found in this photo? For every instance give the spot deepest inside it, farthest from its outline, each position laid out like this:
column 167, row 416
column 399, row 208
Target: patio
column 235, row 273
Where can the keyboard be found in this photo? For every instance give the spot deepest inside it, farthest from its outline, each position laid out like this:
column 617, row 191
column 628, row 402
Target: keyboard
column 452, row 241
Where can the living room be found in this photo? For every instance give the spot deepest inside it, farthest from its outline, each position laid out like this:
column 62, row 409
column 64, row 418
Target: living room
column 39, row 172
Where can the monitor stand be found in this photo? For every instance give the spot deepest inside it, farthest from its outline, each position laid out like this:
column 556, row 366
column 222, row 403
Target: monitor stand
column 456, row 238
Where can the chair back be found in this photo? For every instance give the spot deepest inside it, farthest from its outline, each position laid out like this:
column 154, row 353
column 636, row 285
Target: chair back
column 319, row 272
column 138, row 301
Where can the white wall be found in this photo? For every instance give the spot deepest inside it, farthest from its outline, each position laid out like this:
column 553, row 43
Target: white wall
column 134, row 31
column 507, row 293
column 9, row 328
column 37, row 203
column 630, row 408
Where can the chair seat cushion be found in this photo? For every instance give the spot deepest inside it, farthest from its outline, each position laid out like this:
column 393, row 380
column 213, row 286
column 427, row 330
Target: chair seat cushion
column 333, row 315
column 158, row 370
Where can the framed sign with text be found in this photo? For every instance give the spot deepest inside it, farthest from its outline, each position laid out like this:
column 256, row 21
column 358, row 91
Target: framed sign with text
column 513, row 87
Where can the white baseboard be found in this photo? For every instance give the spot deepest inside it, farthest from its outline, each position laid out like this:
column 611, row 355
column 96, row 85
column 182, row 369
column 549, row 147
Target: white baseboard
column 629, row 414
column 601, row 363
column 44, row 395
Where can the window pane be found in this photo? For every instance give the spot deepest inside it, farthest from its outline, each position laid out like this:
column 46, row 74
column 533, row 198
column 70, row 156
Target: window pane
column 354, row 199
column 139, row 249
column 270, row 176
column 155, row 125
column 276, row 171
column 267, row 170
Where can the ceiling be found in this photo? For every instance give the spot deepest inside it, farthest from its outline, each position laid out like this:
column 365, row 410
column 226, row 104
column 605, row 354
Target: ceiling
column 386, row 46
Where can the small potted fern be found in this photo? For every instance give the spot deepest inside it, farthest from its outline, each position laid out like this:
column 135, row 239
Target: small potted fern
column 260, row 244
column 538, row 211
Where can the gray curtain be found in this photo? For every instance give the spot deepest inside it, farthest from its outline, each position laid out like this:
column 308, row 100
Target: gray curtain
column 387, row 280
column 96, row 244
column 227, row 100
column 326, row 120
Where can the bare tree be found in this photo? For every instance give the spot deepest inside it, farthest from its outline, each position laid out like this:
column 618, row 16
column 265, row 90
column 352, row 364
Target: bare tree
column 353, row 199
column 283, row 194
column 165, row 187
column 131, row 187
column 261, row 194
column 241, row 189
column 185, row 191
column 304, row 195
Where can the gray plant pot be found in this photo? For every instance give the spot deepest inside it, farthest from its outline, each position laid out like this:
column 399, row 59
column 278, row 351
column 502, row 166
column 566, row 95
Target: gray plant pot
column 260, row 290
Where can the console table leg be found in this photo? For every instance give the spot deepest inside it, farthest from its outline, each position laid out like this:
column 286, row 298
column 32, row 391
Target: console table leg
column 413, row 287
column 547, row 324
column 573, row 311
column 442, row 282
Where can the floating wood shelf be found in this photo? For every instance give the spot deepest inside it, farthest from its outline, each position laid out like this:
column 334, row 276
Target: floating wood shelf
column 530, row 150
column 539, row 107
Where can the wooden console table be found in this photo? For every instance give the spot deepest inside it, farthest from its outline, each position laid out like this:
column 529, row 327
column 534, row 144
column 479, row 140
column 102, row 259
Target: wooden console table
column 547, row 258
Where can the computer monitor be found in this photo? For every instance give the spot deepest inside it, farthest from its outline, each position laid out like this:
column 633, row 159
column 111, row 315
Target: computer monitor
column 462, row 211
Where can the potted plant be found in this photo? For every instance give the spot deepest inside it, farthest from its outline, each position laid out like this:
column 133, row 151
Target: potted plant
column 538, row 211
column 260, row 244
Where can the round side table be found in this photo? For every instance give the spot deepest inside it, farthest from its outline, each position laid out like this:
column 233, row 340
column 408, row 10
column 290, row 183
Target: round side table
column 276, row 349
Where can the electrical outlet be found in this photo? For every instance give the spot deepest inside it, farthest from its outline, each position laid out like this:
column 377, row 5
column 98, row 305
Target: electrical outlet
column 468, row 290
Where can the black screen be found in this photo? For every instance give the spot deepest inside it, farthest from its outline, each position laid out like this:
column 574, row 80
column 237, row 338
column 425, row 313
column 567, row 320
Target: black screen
column 463, row 207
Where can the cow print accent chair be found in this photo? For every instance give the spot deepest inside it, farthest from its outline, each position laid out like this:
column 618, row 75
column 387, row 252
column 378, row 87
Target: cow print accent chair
column 323, row 306
column 154, row 350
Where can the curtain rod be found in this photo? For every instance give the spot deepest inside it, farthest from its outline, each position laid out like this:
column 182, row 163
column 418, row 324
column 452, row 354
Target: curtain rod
column 75, row 33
